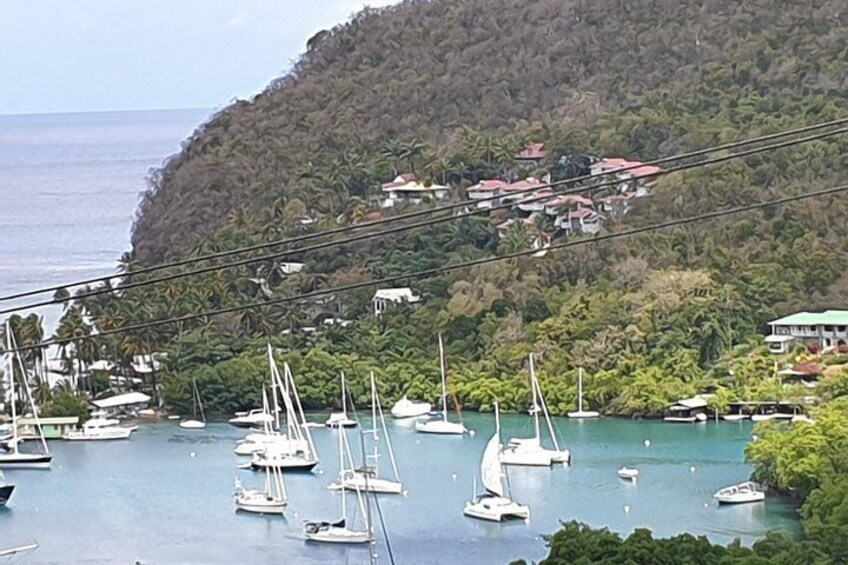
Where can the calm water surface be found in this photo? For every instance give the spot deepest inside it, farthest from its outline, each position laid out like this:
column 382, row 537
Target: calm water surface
column 149, row 499
column 69, row 186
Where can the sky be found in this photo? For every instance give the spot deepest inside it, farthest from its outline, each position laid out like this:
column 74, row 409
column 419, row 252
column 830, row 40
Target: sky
column 96, row 55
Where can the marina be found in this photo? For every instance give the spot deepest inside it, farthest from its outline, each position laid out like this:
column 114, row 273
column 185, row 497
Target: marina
column 143, row 498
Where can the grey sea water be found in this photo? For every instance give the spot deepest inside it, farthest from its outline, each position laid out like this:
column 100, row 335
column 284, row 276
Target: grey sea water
column 165, row 496
column 69, row 186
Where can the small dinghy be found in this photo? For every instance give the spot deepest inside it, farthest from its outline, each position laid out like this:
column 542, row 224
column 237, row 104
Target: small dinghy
column 740, row 494
column 628, row 474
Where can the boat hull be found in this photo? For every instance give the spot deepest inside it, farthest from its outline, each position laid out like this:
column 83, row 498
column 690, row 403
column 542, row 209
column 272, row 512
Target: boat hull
column 402, row 410
column 6, row 493
column 735, row 417
column 25, row 461
column 585, row 414
column 440, row 427
column 741, row 500
column 111, row 435
column 496, row 509
column 285, row 465
column 334, row 534
column 192, row 425
column 260, row 505
column 374, row 484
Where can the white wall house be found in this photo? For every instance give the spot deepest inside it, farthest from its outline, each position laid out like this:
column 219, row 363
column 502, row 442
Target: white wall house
column 407, row 189
column 824, row 329
column 487, row 191
column 386, row 298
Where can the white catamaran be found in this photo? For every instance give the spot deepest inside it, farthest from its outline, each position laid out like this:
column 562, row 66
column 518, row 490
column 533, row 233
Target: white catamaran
column 581, row 414
column 529, row 451
column 441, row 425
column 199, row 420
column 368, row 478
column 341, row 531
column 15, row 458
column 494, row 504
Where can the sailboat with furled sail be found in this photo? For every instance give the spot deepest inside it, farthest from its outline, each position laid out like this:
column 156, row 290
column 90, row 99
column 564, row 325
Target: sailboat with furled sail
column 15, row 458
column 494, row 505
column 367, row 478
column 199, row 422
column 581, row 414
column 441, row 425
column 530, row 451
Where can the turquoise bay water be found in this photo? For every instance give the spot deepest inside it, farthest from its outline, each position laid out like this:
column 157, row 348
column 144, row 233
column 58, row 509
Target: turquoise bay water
column 148, row 499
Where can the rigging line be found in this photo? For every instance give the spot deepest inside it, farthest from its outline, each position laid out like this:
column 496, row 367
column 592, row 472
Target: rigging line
column 447, row 268
column 418, row 213
column 425, row 223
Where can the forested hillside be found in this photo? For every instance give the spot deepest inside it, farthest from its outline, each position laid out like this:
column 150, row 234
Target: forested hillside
column 642, row 78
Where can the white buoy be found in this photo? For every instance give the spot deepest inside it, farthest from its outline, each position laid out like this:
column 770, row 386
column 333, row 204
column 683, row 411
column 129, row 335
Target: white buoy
column 706, row 505
column 627, row 509
column 692, row 469
column 454, row 476
column 472, row 433
column 320, row 471
column 192, row 454
column 647, row 443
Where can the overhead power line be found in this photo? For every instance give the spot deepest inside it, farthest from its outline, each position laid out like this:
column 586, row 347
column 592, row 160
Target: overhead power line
column 450, row 268
column 418, row 213
column 425, row 223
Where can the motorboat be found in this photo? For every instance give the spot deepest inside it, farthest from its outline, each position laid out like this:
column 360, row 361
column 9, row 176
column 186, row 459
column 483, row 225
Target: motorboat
column 367, row 478
column 270, row 500
column 199, row 420
column 694, row 419
column 100, row 429
column 740, row 494
column 341, row 419
column 341, row 531
column 6, row 490
column 494, row 504
column 15, row 458
column 762, row 417
column 252, row 419
column 405, row 408
column 628, row 474
column 530, row 451
column 582, row 414
column 735, row 417
column 441, row 424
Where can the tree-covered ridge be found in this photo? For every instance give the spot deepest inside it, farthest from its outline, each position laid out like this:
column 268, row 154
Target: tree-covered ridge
column 423, row 69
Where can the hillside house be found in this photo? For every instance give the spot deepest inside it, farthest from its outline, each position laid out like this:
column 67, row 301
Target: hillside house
column 822, row 329
column 579, row 221
column 515, row 192
column 386, row 298
column 407, row 189
column 557, row 205
column 635, row 176
column 487, row 192
column 531, row 155
column 504, row 227
column 535, row 201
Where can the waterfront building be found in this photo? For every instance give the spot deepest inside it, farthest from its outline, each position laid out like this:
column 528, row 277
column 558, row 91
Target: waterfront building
column 53, row 428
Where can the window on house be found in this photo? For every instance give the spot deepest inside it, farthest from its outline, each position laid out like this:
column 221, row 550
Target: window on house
column 840, row 328
column 828, row 328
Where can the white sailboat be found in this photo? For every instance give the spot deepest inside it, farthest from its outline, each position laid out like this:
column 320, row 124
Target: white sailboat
column 341, row 419
column 193, row 423
column 341, row 531
column 494, row 504
column 441, row 425
column 298, row 452
column 406, row 408
column 15, row 458
column 272, row 499
column 580, row 414
column 530, row 451
column 368, row 478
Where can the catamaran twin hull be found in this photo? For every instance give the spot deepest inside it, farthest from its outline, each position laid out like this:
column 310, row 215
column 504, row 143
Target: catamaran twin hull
column 496, row 509
column 25, row 461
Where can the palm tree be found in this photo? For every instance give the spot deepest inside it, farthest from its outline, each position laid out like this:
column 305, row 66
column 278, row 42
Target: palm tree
column 393, row 152
column 412, row 150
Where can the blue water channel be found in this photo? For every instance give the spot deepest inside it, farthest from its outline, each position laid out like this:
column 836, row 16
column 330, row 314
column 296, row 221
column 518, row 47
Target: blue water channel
column 165, row 496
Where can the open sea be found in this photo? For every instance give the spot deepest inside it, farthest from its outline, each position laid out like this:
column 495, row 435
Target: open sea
column 165, row 496
column 69, row 185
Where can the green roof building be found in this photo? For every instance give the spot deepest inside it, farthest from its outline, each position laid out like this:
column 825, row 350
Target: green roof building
column 825, row 329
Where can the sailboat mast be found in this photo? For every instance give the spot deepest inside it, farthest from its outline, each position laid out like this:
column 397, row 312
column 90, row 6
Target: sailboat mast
column 385, row 430
column 299, row 416
column 580, row 389
column 274, row 377
column 10, row 360
column 547, row 416
column 344, row 396
column 444, row 379
column 536, row 410
column 341, row 472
